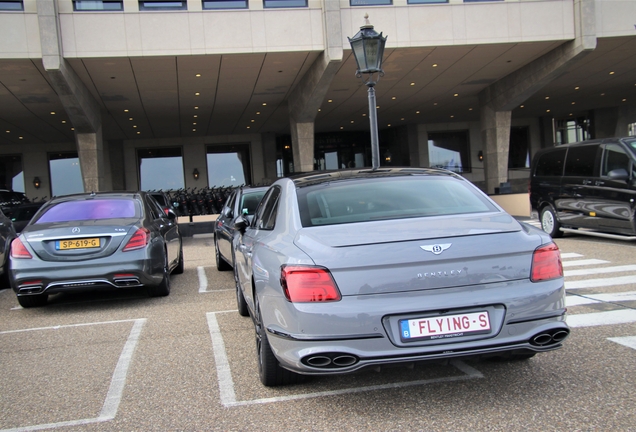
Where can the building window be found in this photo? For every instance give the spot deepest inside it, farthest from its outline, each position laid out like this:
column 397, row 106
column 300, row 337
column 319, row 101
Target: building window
column 519, row 150
column 11, row 174
column 66, row 175
column 370, row 2
column 162, row 5
column 228, row 165
column 449, row 150
column 11, row 6
column 572, row 130
column 631, row 129
column 426, row 1
column 225, row 4
column 83, row 5
column 160, row 169
column 284, row 3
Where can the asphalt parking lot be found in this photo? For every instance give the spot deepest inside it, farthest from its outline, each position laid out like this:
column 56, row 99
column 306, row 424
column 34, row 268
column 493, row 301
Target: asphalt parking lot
column 123, row 361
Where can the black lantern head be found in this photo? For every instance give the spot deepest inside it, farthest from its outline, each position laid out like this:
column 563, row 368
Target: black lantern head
column 36, row 182
column 368, row 48
column 195, row 174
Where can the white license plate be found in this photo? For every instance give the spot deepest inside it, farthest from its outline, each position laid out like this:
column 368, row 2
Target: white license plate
column 446, row 326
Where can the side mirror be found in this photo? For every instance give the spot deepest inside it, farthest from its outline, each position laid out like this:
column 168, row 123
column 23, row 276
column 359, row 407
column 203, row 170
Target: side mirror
column 171, row 214
column 618, row 174
column 241, row 223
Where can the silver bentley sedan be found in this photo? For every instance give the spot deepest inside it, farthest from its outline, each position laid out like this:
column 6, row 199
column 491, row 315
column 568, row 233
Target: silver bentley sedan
column 360, row 268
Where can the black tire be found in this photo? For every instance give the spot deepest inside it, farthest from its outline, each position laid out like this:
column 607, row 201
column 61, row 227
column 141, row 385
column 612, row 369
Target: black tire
column 180, row 265
column 221, row 264
column 549, row 223
column 163, row 289
column 269, row 370
column 240, row 298
column 35, row 300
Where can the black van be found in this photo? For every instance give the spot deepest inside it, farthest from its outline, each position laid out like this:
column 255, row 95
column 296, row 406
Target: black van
column 587, row 187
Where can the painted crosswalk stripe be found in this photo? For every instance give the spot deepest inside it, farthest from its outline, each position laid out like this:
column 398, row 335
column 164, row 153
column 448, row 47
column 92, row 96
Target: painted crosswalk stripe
column 570, row 255
column 575, row 300
column 628, row 341
column 602, row 318
column 600, row 270
column 595, row 283
column 583, row 262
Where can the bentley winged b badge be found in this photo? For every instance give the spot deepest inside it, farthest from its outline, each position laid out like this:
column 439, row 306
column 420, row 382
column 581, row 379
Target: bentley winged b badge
column 436, row 249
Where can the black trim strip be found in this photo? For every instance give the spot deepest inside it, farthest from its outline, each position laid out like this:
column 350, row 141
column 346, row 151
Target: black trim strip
column 324, row 338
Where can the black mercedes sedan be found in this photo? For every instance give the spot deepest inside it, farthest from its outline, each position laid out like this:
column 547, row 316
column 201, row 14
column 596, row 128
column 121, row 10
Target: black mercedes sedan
column 92, row 241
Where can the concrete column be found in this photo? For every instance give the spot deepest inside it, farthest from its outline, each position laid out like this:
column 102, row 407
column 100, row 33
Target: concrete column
column 495, row 135
column 117, row 171
column 82, row 109
column 303, row 146
column 307, row 96
column 269, row 157
column 90, row 150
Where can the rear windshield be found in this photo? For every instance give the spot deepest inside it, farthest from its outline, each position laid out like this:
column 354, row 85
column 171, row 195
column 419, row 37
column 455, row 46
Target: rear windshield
column 95, row 209
column 388, row 198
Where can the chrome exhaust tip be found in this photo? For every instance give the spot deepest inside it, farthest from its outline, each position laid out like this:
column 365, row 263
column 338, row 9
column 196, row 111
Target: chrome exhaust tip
column 333, row 360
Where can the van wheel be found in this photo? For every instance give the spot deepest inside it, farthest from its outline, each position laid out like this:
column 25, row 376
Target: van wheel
column 549, row 222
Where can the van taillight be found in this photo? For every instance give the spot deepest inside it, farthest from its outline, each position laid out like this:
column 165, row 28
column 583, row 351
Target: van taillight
column 546, row 263
column 18, row 250
column 138, row 240
column 303, row 284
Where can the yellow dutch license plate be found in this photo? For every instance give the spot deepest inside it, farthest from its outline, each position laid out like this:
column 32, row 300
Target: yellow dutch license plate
column 77, row 244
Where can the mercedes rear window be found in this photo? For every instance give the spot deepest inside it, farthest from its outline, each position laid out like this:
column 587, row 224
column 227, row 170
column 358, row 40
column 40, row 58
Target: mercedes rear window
column 94, row 209
column 388, row 198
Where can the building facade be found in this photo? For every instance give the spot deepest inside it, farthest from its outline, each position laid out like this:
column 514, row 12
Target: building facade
column 127, row 95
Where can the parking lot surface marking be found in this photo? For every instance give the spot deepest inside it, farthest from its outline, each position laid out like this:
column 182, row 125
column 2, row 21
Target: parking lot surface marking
column 226, row 383
column 118, row 381
column 602, row 318
column 604, row 282
column 628, row 341
column 203, row 280
column 582, row 262
column 599, row 270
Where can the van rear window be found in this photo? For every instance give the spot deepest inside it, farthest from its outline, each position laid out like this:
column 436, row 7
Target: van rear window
column 551, row 163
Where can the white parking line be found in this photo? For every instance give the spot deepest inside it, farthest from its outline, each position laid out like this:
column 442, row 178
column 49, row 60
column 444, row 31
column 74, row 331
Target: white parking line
column 203, row 280
column 602, row 318
column 226, row 384
column 628, row 341
column 570, row 255
column 575, row 300
column 594, row 283
column 600, row 270
column 583, row 262
column 117, row 383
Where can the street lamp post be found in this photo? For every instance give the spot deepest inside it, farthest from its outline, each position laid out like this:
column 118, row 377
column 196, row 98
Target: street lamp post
column 368, row 48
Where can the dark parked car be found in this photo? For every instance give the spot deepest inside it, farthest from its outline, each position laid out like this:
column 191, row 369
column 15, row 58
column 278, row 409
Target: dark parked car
column 110, row 240
column 9, row 198
column 586, row 188
column 242, row 201
column 7, row 234
column 21, row 214
column 362, row 268
column 164, row 201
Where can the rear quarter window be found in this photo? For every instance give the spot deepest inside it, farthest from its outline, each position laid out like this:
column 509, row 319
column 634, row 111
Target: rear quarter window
column 95, row 209
column 388, row 198
column 550, row 163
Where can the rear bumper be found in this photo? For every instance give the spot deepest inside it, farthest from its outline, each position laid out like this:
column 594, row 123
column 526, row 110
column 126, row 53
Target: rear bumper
column 363, row 331
column 38, row 277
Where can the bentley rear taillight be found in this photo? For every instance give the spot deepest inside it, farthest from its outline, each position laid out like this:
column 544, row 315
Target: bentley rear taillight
column 303, row 284
column 138, row 240
column 546, row 263
column 18, row 250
